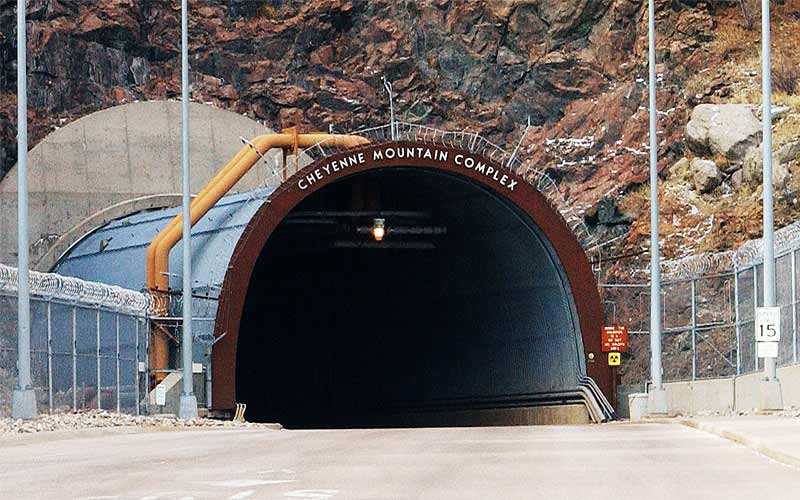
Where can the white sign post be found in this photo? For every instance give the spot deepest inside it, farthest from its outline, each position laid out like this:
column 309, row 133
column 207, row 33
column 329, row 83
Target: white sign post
column 161, row 395
column 768, row 331
column 767, row 349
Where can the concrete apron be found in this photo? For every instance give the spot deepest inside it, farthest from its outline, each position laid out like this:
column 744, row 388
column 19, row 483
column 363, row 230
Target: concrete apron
column 773, row 437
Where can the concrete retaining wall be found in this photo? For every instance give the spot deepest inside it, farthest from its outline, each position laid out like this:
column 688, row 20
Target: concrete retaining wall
column 115, row 155
column 726, row 395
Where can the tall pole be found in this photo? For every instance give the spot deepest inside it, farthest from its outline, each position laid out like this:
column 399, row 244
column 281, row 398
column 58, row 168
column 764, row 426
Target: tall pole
column 388, row 86
column 23, row 404
column 657, row 398
column 770, row 389
column 188, row 402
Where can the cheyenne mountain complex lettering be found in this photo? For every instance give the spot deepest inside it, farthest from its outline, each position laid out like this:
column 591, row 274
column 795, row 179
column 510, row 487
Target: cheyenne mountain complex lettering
column 391, row 152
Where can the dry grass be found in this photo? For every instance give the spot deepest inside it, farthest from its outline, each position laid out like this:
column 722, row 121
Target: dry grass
column 750, row 10
column 786, row 71
column 267, row 12
column 732, row 38
column 637, row 200
column 721, row 161
column 681, row 171
column 746, row 94
column 739, row 49
column 787, row 130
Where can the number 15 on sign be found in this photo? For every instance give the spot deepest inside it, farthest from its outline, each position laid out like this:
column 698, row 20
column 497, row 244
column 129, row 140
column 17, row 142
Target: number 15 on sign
column 768, row 324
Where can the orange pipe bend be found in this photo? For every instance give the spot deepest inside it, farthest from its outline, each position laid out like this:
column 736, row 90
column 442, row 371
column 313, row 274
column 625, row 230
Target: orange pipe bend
column 151, row 250
column 231, row 173
column 157, row 266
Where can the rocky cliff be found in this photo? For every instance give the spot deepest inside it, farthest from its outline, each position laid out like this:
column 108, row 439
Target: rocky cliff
column 576, row 69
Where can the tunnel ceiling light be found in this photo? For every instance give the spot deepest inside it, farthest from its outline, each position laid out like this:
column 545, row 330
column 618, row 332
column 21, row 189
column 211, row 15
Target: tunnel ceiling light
column 378, row 229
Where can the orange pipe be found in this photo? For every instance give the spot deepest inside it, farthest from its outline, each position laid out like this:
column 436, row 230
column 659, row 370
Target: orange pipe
column 228, row 176
column 151, row 250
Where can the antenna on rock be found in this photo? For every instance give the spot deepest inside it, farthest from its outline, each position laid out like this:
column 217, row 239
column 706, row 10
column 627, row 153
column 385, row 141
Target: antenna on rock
column 388, row 86
column 514, row 154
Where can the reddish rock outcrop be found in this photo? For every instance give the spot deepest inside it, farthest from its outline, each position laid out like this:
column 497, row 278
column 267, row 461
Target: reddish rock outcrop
column 576, row 69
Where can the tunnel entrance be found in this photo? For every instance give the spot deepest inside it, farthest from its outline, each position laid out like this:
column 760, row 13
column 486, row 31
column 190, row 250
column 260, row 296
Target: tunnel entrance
column 461, row 314
column 479, row 307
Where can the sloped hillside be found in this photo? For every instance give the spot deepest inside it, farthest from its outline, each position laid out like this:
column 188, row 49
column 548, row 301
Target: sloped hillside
column 575, row 69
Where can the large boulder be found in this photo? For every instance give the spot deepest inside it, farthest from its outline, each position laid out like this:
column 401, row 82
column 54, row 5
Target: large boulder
column 706, row 175
column 753, row 165
column 728, row 130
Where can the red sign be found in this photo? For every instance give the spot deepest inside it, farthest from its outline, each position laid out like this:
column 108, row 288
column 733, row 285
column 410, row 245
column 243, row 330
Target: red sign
column 615, row 338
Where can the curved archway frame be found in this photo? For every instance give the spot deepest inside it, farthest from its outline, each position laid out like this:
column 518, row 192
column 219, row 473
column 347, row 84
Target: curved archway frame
column 486, row 173
column 99, row 219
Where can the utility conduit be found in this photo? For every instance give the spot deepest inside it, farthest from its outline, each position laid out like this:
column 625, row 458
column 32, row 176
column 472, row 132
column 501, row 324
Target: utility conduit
column 228, row 176
column 176, row 222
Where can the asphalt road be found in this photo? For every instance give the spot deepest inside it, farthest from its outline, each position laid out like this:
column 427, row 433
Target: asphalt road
column 616, row 461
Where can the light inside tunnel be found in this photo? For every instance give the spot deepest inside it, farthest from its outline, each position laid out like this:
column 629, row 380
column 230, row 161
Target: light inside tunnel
column 378, row 229
column 462, row 316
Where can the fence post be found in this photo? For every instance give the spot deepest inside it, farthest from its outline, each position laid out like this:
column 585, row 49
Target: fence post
column 736, row 321
column 49, row 359
column 136, row 370
column 794, row 306
column 119, row 407
column 694, row 330
column 147, row 367
column 97, row 331
column 755, row 306
column 74, row 358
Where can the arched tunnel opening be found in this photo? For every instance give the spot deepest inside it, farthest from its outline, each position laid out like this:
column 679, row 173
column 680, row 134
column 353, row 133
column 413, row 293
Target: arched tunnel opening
column 460, row 315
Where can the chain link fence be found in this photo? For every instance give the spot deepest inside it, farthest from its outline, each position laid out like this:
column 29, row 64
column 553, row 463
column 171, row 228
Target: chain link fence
column 89, row 344
column 708, row 328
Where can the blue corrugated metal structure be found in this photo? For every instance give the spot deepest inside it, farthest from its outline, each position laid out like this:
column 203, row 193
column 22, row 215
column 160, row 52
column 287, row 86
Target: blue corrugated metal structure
column 115, row 254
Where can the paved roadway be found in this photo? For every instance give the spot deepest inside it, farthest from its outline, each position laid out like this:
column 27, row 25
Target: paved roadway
column 616, row 461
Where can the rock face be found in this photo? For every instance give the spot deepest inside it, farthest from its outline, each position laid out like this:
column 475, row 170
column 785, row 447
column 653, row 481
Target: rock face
column 706, row 175
column 576, row 68
column 754, row 164
column 723, row 129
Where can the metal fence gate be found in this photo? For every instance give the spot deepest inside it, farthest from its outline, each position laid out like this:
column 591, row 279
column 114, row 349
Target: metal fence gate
column 89, row 344
column 708, row 312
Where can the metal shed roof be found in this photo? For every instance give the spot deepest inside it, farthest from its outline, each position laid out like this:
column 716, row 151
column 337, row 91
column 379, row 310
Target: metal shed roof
column 115, row 253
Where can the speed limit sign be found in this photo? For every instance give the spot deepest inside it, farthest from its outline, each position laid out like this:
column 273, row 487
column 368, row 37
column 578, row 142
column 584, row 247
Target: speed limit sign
column 768, row 324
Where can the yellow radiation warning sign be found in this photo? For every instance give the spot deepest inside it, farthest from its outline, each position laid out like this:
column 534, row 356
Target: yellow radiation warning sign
column 614, row 358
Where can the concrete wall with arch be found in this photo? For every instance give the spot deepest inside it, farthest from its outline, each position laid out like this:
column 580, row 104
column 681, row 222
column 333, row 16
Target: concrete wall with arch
column 113, row 156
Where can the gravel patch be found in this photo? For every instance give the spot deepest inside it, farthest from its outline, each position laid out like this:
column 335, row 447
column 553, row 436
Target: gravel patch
column 95, row 419
column 791, row 412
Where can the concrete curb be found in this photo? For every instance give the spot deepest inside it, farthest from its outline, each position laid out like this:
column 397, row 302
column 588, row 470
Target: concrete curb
column 754, row 444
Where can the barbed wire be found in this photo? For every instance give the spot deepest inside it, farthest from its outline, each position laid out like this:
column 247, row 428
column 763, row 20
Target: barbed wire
column 474, row 143
column 750, row 253
column 49, row 285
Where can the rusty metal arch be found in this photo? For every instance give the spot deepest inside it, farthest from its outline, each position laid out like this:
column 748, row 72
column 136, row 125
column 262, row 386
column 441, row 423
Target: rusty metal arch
column 285, row 198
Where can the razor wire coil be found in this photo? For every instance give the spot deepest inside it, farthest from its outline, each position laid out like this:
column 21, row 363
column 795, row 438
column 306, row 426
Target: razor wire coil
column 750, row 253
column 56, row 286
column 476, row 144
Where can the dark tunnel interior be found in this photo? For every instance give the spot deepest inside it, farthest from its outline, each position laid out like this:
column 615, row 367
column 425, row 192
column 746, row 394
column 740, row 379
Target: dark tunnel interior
column 460, row 309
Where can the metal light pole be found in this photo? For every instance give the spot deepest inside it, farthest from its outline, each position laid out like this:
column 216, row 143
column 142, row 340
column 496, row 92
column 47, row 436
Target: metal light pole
column 657, row 396
column 23, row 404
column 770, row 388
column 188, row 402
